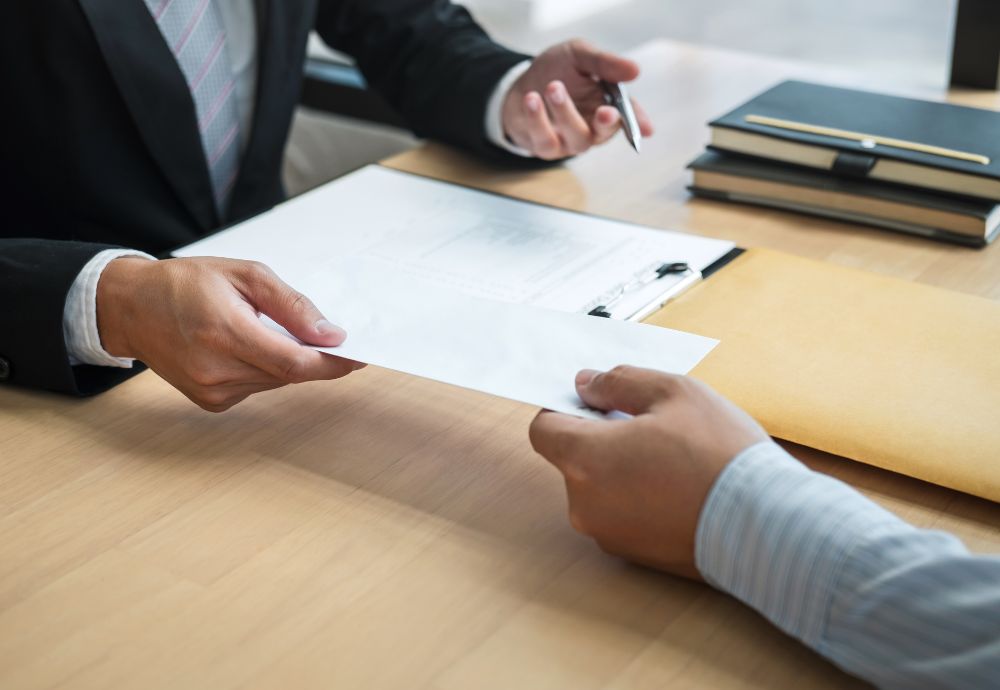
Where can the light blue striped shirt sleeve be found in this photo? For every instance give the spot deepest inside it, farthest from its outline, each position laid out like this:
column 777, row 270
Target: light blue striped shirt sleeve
column 898, row 606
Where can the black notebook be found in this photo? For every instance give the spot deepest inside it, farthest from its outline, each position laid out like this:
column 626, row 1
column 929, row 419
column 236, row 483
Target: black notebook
column 955, row 128
column 972, row 222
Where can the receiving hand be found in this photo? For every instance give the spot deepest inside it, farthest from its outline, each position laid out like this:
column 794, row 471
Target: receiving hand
column 556, row 109
column 637, row 486
column 195, row 322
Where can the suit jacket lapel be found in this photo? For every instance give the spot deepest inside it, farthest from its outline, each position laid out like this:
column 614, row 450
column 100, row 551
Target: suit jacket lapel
column 157, row 95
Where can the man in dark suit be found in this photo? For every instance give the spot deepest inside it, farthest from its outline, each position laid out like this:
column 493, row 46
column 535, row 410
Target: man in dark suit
column 146, row 124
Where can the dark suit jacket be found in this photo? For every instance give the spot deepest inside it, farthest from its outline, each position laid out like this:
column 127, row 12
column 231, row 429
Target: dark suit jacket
column 100, row 145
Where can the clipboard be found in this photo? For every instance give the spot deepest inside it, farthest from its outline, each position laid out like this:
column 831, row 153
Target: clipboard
column 899, row 375
column 667, row 281
column 477, row 242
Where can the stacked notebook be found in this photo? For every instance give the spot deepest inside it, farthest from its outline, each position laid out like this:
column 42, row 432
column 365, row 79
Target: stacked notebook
column 924, row 168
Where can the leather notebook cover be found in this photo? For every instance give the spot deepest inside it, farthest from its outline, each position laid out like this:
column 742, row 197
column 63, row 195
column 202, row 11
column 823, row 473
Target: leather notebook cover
column 895, row 374
column 937, row 124
column 757, row 169
column 907, row 209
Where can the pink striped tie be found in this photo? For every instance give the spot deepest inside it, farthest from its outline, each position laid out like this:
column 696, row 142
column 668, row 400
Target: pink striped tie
column 194, row 31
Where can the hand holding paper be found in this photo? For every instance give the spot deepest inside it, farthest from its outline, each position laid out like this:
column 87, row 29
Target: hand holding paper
column 638, row 486
column 414, row 282
column 194, row 322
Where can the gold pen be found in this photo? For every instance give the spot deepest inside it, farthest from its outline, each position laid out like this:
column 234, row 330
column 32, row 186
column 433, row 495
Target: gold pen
column 868, row 141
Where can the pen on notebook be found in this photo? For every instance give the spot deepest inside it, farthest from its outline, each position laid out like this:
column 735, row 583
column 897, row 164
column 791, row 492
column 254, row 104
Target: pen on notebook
column 616, row 95
column 868, row 141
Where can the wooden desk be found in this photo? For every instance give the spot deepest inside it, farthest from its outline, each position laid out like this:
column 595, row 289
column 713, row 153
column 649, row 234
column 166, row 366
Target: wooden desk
column 387, row 532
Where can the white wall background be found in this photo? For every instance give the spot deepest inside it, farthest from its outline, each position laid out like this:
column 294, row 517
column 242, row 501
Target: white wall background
column 540, row 14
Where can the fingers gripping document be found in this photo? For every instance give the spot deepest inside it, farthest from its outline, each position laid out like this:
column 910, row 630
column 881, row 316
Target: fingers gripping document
column 472, row 288
column 524, row 353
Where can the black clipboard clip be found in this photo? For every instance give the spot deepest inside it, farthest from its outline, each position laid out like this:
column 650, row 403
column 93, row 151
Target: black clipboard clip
column 671, row 268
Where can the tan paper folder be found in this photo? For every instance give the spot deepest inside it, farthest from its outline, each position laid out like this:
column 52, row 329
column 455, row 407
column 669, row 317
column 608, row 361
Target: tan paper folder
column 894, row 374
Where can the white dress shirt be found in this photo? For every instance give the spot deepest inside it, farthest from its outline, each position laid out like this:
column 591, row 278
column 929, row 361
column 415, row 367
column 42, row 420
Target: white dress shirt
column 83, row 338
column 898, row 606
column 240, row 21
column 83, row 341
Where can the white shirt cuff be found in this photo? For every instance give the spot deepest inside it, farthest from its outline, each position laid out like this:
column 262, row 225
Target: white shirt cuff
column 494, row 110
column 83, row 340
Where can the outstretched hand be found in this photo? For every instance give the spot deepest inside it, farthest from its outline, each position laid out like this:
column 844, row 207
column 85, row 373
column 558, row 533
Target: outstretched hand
column 195, row 322
column 637, row 486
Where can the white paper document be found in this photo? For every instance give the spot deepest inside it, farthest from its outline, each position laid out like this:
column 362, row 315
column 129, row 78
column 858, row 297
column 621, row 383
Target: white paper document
column 470, row 288
column 478, row 243
column 524, row 353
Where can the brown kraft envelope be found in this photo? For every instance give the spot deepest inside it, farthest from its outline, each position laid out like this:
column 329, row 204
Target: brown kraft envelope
column 895, row 374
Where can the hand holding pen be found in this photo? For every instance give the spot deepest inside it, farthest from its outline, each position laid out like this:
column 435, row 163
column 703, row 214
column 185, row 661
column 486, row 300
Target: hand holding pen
column 571, row 99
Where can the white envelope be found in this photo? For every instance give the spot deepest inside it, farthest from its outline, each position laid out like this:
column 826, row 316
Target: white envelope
column 524, row 353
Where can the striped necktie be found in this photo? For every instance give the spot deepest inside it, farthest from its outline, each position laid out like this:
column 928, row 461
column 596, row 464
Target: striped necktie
column 195, row 33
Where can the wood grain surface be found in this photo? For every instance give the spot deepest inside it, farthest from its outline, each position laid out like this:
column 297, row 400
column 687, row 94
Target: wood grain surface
column 388, row 532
